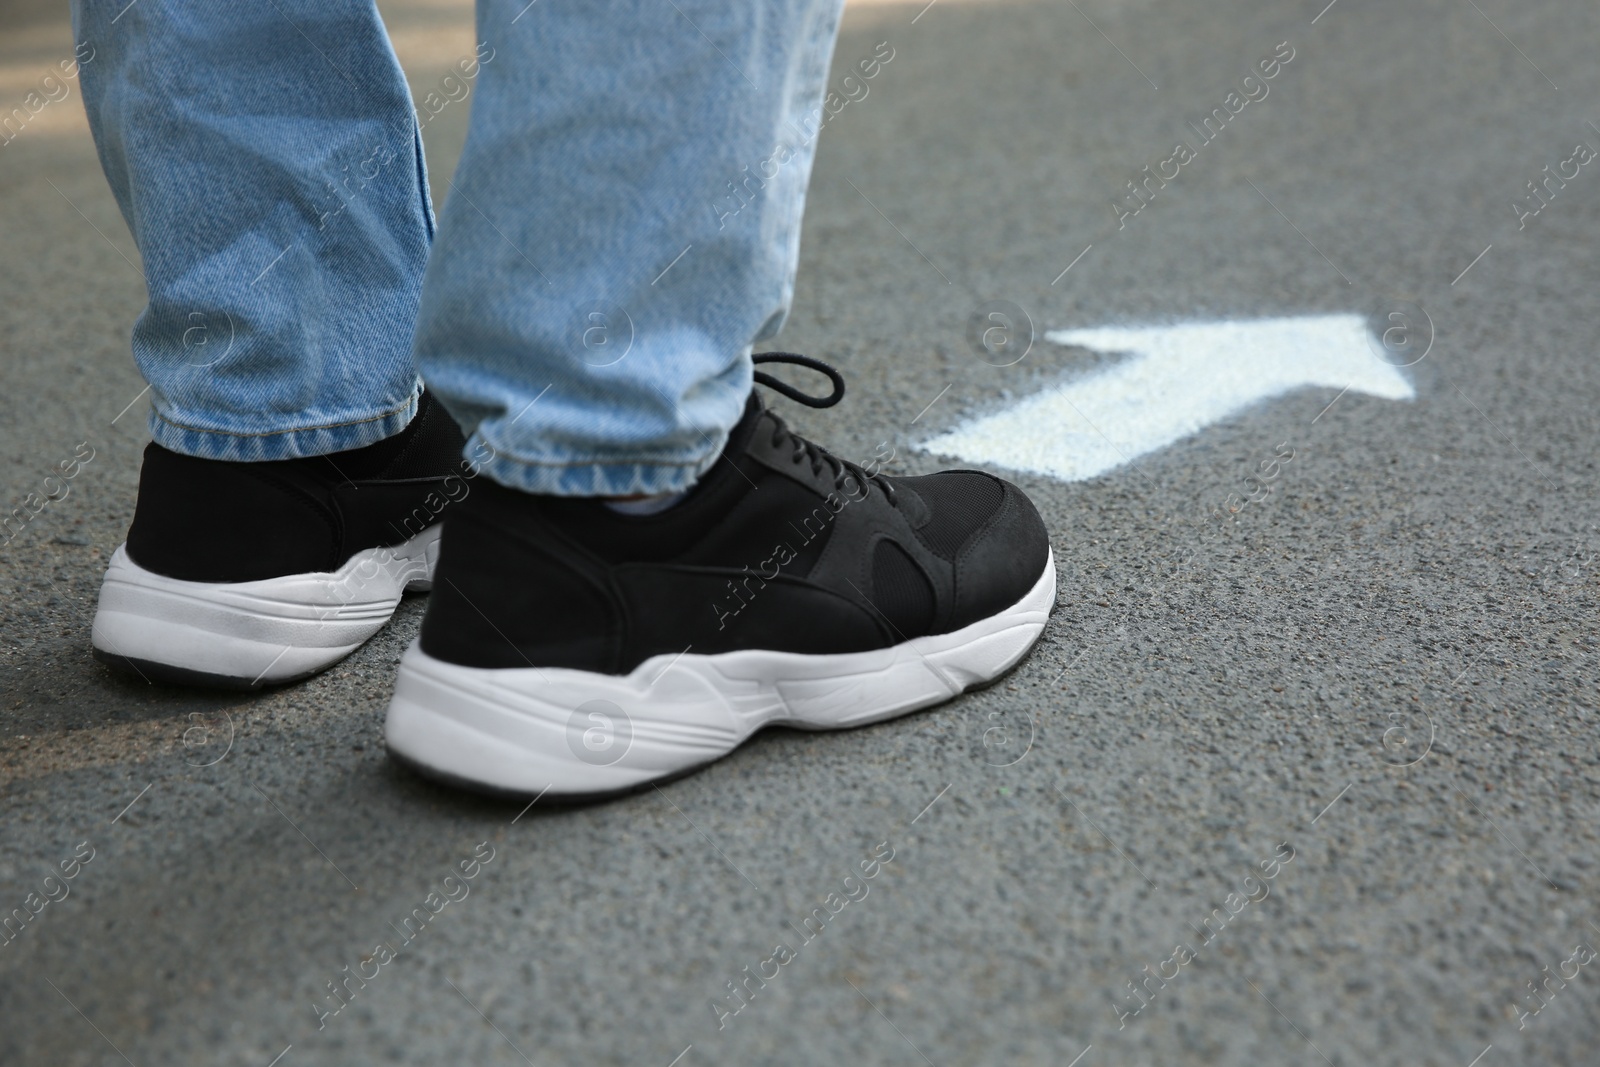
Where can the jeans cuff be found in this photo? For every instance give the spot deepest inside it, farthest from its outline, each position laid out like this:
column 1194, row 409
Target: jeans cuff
column 187, row 440
column 586, row 477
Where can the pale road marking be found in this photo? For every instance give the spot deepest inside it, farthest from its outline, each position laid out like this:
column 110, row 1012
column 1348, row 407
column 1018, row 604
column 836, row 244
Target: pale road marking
column 1177, row 381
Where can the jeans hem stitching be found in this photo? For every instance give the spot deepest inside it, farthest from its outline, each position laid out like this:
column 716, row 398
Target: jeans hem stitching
column 292, row 430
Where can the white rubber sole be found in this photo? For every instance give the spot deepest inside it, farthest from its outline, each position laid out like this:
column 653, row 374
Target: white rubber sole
column 254, row 633
column 575, row 733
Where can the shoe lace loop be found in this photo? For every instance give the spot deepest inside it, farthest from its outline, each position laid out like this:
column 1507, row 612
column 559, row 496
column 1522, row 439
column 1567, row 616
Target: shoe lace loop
column 819, row 457
column 790, row 391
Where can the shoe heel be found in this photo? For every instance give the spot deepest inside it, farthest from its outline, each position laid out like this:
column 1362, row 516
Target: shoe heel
column 250, row 634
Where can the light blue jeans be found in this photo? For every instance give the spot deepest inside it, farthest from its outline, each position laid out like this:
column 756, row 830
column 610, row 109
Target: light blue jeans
column 623, row 226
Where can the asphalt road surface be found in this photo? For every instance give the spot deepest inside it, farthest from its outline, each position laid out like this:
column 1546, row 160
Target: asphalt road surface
column 1304, row 770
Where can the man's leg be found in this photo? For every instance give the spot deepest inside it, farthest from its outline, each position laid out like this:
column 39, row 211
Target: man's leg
column 622, row 228
column 266, row 158
column 624, row 224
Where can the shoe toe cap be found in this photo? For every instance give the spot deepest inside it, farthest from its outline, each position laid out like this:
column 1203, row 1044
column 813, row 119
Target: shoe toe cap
column 990, row 533
column 1002, row 560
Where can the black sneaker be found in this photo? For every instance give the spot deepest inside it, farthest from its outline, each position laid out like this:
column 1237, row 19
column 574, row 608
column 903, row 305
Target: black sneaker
column 572, row 649
column 249, row 574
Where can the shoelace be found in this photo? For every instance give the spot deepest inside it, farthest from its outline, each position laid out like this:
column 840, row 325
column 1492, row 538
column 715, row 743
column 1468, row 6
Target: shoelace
column 820, row 457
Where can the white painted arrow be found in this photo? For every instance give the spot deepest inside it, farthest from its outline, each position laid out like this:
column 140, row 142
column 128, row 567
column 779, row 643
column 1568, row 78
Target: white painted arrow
column 1179, row 380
